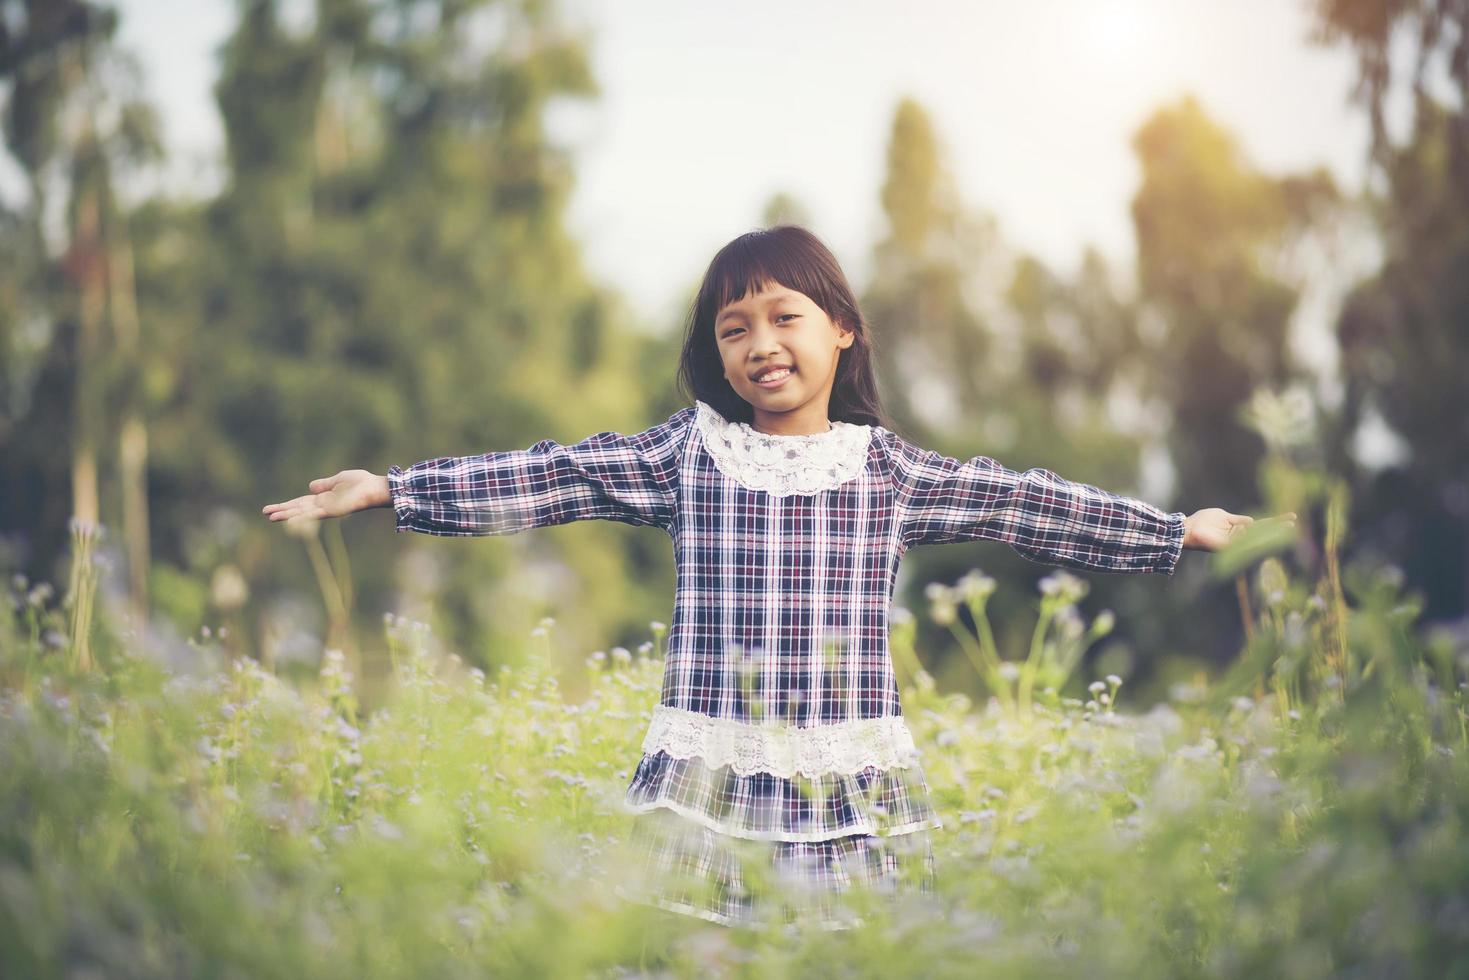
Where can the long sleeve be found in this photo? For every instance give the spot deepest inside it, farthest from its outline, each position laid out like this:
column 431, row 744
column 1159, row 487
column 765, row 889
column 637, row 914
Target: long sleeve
column 1043, row 517
column 608, row 476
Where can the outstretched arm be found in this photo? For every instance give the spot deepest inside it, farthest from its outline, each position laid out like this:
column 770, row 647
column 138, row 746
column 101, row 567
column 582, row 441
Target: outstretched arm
column 609, row 476
column 1043, row 517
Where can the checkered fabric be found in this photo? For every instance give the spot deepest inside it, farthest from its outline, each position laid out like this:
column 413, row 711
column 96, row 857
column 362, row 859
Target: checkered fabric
column 781, row 605
column 689, row 869
column 763, row 806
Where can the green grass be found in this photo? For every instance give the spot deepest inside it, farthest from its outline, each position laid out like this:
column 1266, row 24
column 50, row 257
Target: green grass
column 231, row 823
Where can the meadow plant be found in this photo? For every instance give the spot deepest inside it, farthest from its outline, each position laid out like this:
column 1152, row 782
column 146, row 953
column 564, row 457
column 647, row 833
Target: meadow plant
column 1301, row 816
column 1059, row 638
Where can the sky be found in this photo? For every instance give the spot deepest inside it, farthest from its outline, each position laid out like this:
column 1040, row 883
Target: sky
column 707, row 109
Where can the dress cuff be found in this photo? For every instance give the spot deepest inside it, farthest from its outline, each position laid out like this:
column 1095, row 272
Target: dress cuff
column 399, row 500
column 1173, row 545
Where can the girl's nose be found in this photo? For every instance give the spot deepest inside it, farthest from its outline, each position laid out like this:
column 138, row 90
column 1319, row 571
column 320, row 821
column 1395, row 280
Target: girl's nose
column 763, row 342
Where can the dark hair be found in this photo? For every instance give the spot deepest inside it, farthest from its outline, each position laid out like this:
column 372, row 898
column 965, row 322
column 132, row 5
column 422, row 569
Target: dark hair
column 790, row 256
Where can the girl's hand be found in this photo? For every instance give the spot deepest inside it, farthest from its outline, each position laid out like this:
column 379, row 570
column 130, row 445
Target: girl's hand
column 1210, row 529
column 334, row 496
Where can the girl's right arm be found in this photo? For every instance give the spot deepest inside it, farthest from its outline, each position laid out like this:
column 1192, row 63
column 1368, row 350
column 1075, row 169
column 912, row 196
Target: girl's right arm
column 608, row 476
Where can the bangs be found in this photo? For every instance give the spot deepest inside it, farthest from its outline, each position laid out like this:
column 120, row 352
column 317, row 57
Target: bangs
column 751, row 264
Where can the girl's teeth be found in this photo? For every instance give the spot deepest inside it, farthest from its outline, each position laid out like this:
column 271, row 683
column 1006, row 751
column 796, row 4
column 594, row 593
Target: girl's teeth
column 774, row 376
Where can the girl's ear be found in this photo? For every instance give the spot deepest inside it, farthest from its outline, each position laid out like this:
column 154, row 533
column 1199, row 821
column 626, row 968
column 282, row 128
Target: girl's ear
column 847, row 338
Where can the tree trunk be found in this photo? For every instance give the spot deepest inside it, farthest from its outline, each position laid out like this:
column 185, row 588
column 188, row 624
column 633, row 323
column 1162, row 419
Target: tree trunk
column 90, row 278
column 133, row 439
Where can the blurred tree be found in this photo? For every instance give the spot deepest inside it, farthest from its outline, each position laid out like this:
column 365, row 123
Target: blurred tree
column 1208, row 227
column 74, row 121
column 934, row 350
column 784, row 209
column 387, row 278
column 1216, row 302
column 1404, row 346
column 982, row 351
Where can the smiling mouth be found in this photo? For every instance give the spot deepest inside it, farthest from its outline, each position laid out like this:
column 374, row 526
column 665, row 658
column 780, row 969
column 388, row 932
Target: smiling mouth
column 774, row 379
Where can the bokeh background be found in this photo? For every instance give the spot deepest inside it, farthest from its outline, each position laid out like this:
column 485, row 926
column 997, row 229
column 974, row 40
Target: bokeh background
column 1148, row 245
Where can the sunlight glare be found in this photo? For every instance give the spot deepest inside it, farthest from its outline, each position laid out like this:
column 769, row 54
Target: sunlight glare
column 1114, row 29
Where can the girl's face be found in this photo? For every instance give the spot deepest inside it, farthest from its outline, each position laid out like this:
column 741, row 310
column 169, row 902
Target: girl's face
column 780, row 352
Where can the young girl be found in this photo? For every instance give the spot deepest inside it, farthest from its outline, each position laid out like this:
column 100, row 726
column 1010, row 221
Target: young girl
column 778, row 747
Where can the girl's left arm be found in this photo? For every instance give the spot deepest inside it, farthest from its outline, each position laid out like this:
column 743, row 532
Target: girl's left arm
column 1042, row 516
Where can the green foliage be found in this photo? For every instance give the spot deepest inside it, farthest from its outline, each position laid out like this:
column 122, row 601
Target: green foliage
column 212, row 818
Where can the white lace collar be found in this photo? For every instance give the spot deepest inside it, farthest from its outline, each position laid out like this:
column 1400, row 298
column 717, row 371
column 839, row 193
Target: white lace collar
column 783, row 465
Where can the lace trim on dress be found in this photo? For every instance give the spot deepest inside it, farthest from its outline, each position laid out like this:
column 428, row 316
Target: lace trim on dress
column 783, row 750
column 783, row 465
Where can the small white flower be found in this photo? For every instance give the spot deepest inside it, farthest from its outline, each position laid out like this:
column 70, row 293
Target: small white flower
column 974, row 585
column 1096, row 687
column 1064, row 586
column 228, row 589
column 1114, row 680
column 1009, row 670
column 1069, row 623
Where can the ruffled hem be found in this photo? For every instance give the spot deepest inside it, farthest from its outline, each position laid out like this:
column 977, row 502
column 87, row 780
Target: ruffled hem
column 691, row 870
column 767, row 807
column 933, row 823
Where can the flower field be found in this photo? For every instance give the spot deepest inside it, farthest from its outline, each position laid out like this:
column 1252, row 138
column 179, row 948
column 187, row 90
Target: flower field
column 1303, row 816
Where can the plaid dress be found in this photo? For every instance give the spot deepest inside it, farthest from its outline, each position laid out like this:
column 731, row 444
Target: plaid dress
column 778, row 754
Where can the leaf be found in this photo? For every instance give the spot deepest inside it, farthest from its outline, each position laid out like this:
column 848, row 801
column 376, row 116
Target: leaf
column 1260, row 540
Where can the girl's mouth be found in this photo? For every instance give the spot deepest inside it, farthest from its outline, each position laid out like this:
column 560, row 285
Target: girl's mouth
column 775, row 378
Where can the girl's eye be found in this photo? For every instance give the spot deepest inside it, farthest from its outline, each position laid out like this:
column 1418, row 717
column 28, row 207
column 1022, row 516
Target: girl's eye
column 734, row 330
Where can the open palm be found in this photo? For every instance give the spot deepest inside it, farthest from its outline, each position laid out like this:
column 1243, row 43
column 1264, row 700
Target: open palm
column 331, row 496
column 1210, row 529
